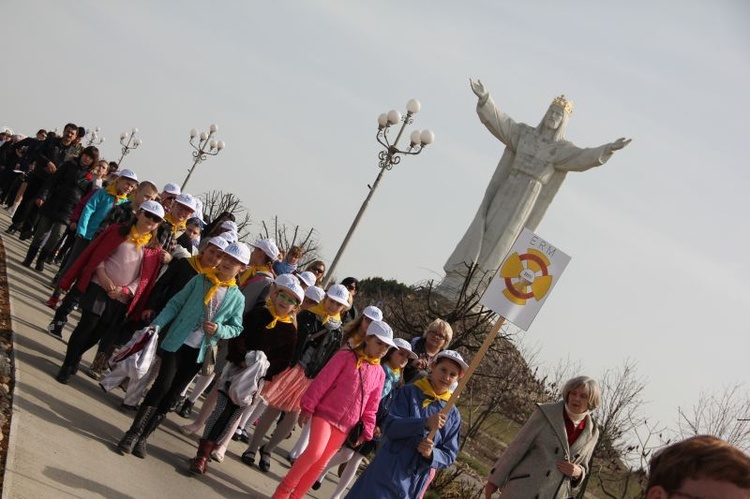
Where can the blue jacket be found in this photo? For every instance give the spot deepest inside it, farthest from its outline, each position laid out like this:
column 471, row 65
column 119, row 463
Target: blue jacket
column 186, row 309
column 398, row 470
column 94, row 212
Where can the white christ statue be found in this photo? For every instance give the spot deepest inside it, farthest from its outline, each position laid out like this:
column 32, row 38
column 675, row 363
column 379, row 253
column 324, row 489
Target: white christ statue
column 529, row 174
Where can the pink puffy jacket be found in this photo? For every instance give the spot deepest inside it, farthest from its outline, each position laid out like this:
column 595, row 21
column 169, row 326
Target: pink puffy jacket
column 335, row 396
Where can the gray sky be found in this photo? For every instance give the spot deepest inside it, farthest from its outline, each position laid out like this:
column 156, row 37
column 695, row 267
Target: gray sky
column 658, row 235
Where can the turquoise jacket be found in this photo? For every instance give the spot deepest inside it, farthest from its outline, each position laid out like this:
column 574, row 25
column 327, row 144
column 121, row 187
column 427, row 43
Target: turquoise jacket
column 185, row 309
column 93, row 213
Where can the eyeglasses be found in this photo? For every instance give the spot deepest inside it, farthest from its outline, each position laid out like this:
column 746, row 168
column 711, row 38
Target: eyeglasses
column 288, row 299
column 152, row 217
column 317, row 270
column 437, row 334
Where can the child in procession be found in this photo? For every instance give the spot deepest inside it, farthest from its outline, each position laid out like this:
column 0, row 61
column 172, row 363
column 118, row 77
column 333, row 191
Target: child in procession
column 207, row 309
column 401, row 467
column 345, row 393
column 267, row 328
column 114, row 275
column 393, row 364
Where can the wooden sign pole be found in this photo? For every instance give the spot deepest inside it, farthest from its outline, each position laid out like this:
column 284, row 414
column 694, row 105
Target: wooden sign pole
column 474, row 363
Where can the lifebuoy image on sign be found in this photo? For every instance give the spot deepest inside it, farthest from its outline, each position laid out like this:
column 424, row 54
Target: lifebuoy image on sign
column 526, row 276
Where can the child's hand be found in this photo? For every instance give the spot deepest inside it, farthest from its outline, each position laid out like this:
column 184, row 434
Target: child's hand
column 210, row 327
column 435, row 422
column 376, row 432
column 425, row 448
column 302, row 420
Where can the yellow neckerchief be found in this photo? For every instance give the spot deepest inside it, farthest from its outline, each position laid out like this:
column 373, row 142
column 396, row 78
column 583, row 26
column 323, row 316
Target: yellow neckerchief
column 363, row 357
column 253, row 270
column 175, row 225
column 112, row 191
column 211, row 276
column 395, row 370
column 137, row 238
column 424, row 385
column 276, row 318
column 194, row 262
column 320, row 311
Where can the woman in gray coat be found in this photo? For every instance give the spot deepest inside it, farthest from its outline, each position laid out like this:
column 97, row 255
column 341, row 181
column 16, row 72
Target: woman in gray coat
column 549, row 457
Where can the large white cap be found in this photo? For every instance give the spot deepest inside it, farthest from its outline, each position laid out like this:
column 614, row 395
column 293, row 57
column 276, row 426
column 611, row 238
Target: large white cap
column 152, row 207
column 338, row 293
column 382, row 330
column 173, row 189
column 199, row 210
column 125, row 173
column 402, row 344
column 188, row 200
column 239, row 251
column 315, row 293
column 373, row 313
column 230, row 236
column 268, row 246
column 454, row 356
column 219, row 242
column 291, row 284
column 308, row 278
column 230, row 225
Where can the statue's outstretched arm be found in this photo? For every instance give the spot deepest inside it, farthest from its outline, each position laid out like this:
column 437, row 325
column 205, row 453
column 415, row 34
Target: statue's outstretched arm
column 479, row 90
column 618, row 144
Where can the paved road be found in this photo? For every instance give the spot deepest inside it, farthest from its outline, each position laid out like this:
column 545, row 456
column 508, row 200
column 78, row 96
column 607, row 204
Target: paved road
column 63, row 438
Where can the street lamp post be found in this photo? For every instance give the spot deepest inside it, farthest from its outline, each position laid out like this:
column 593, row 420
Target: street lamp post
column 94, row 139
column 205, row 147
column 388, row 158
column 128, row 142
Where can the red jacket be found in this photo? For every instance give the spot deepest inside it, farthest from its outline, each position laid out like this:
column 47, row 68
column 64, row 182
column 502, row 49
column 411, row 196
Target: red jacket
column 99, row 250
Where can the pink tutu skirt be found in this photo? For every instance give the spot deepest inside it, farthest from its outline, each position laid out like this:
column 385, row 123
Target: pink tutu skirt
column 285, row 390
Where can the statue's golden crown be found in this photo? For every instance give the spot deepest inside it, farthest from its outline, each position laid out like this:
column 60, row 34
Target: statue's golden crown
column 565, row 104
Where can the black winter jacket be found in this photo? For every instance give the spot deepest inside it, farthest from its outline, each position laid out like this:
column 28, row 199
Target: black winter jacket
column 64, row 190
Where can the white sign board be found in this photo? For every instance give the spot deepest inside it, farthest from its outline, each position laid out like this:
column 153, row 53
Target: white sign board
column 525, row 279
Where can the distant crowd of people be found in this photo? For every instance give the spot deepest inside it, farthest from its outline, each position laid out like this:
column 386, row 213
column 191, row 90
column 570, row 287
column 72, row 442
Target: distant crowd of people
column 173, row 301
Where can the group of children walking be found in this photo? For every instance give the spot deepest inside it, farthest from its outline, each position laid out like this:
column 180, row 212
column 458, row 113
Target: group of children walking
column 274, row 344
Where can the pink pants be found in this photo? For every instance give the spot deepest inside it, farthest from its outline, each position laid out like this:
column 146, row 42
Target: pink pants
column 325, row 441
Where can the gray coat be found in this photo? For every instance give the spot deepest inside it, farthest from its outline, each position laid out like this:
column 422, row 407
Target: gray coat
column 527, row 469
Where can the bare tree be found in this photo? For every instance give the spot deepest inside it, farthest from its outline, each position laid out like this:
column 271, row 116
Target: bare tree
column 287, row 236
column 216, row 202
column 724, row 414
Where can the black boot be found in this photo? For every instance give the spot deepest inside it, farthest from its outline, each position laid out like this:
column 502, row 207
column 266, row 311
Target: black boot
column 40, row 261
column 125, row 446
column 140, row 446
column 33, row 250
column 187, row 409
column 11, row 229
column 63, row 376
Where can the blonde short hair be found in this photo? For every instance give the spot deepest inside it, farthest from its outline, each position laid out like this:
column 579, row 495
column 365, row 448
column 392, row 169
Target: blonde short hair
column 592, row 387
column 440, row 326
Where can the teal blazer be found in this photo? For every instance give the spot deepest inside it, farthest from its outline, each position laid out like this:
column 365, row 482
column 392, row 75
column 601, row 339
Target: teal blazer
column 185, row 309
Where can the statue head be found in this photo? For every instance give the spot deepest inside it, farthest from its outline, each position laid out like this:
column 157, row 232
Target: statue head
column 556, row 118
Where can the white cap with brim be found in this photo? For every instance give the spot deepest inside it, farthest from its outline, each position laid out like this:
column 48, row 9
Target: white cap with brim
column 230, row 236
column 308, row 278
column 229, row 225
column 267, row 246
column 219, row 242
column 152, row 207
column 452, row 355
column 373, row 313
column 239, row 251
column 402, row 344
column 315, row 294
column 187, row 200
column 339, row 294
column 127, row 174
column 290, row 283
column 173, row 189
column 383, row 331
